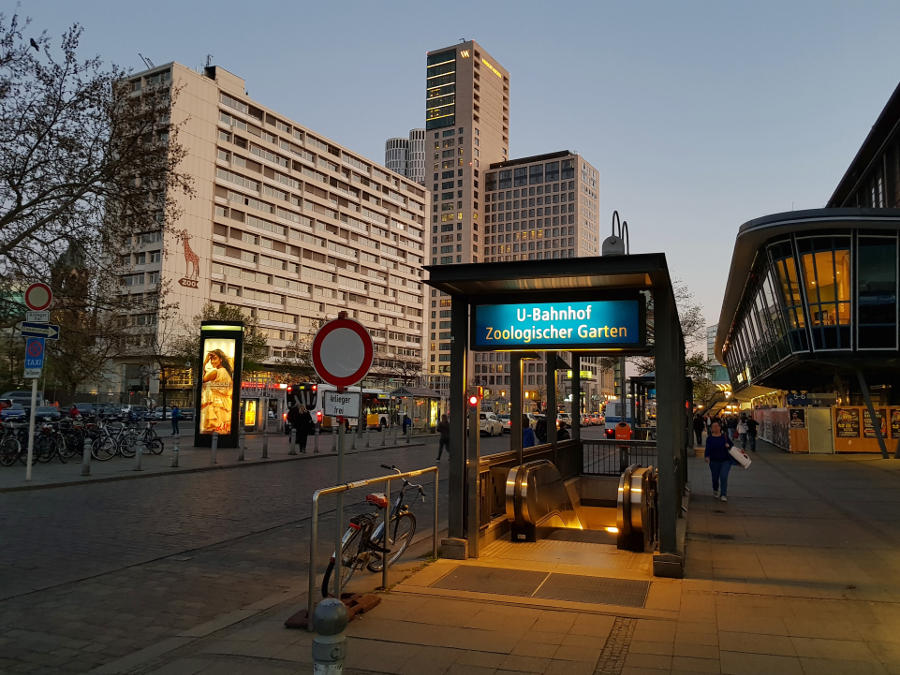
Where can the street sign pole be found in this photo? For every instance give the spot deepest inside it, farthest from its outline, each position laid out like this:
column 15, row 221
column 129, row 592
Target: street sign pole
column 34, row 383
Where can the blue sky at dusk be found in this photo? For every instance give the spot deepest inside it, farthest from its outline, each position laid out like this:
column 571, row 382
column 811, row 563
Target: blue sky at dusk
column 699, row 115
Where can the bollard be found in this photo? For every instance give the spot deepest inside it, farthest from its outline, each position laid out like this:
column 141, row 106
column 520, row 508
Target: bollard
column 317, row 440
column 214, row 448
column 353, row 441
column 265, row 451
column 408, row 433
column 86, row 457
column 241, row 447
column 174, row 463
column 138, row 454
column 329, row 646
column 367, row 436
column 334, row 438
column 293, row 450
column 384, row 433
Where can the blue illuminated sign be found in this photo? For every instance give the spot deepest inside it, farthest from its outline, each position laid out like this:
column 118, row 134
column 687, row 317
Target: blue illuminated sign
column 602, row 324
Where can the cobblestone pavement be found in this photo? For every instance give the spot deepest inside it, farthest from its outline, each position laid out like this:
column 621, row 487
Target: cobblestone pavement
column 97, row 571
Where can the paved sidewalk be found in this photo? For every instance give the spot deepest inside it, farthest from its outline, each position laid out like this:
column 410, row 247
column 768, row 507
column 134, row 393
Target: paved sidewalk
column 190, row 459
column 797, row 573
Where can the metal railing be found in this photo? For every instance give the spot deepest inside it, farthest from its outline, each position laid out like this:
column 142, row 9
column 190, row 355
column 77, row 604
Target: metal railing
column 610, row 457
column 335, row 489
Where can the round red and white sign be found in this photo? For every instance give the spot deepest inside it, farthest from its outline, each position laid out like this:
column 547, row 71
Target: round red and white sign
column 38, row 297
column 342, row 352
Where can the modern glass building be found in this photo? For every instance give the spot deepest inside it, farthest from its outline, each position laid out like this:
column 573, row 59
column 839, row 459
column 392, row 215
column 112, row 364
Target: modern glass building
column 811, row 301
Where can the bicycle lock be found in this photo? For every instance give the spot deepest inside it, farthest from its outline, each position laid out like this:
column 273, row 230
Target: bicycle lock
column 339, row 489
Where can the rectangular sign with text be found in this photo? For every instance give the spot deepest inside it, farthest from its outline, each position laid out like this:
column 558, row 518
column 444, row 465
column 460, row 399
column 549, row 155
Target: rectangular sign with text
column 599, row 324
column 341, row 404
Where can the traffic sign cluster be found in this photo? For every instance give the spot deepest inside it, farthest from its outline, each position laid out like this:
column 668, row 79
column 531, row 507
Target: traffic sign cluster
column 37, row 328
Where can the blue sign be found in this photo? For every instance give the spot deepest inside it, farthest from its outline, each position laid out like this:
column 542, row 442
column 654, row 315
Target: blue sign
column 34, row 356
column 602, row 324
column 49, row 331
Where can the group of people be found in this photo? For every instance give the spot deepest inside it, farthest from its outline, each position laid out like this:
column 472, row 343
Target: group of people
column 743, row 428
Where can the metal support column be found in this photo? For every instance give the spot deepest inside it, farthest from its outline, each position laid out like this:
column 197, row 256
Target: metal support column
column 576, row 397
column 669, row 416
column 550, row 416
column 515, row 402
column 876, row 425
column 459, row 322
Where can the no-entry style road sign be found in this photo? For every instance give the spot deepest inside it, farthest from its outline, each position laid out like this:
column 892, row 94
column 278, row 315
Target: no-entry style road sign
column 34, row 357
column 50, row 331
column 38, row 296
column 342, row 352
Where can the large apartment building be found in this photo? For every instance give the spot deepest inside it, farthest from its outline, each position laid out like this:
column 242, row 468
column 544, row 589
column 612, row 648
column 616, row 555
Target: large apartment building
column 286, row 224
column 466, row 130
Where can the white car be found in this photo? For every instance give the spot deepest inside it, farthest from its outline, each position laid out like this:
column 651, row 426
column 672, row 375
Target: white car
column 489, row 424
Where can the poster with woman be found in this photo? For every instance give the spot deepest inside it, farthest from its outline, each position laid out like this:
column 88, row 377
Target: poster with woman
column 218, row 386
column 798, row 418
column 868, row 427
column 895, row 422
column 846, row 422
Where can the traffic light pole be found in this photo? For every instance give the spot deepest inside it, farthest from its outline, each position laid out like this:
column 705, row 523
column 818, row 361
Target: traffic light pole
column 473, row 459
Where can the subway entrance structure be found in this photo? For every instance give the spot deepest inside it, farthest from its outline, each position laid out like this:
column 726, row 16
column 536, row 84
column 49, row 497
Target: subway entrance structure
column 611, row 306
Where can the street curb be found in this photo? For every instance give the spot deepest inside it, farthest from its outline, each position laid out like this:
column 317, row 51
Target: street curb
column 152, row 473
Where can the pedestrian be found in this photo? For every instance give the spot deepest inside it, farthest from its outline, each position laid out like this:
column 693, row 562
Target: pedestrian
column 741, row 430
column 540, row 429
column 731, row 426
column 305, row 427
column 293, row 418
column 407, row 423
column 563, row 433
column 699, row 426
column 528, row 439
column 719, row 460
column 176, row 415
column 443, row 428
column 752, row 425
column 73, row 411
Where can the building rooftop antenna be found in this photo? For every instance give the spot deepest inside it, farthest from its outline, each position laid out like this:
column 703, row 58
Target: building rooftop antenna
column 209, row 60
column 147, row 62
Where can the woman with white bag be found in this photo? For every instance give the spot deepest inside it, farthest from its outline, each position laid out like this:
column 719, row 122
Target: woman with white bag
column 719, row 460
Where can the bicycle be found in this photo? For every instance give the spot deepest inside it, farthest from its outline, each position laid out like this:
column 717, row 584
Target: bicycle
column 129, row 437
column 363, row 543
column 10, row 447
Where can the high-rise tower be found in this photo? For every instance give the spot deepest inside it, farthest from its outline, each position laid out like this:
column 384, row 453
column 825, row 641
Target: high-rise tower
column 466, row 130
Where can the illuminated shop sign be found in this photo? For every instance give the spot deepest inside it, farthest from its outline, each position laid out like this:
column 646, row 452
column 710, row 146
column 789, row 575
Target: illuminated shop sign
column 491, row 67
column 602, row 324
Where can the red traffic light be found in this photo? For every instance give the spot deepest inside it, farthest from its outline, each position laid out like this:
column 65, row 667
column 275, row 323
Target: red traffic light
column 315, row 387
column 473, row 400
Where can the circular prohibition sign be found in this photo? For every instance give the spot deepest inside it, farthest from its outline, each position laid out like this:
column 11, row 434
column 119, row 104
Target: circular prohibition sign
column 342, row 352
column 35, row 348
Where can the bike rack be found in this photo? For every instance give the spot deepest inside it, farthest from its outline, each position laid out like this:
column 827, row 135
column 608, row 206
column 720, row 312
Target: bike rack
column 314, row 535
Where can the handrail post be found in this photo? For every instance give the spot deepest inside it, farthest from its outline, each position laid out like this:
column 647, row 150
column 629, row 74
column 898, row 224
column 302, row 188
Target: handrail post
column 434, row 533
column 387, row 534
column 313, row 552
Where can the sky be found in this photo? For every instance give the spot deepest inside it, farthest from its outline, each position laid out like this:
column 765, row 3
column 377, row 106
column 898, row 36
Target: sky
column 699, row 116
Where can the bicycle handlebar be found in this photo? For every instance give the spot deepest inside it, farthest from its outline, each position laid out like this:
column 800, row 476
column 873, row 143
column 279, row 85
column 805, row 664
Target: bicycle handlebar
column 419, row 487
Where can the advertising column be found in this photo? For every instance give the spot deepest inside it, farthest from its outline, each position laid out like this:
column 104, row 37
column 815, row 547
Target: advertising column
column 219, row 384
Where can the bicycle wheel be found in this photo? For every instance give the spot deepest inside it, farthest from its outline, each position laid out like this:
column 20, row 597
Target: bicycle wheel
column 103, row 448
column 154, row 445
column 44, row 448
column 69, row 447
column 9, row 450
column 402, row 528
column 60, row 442
column 350, row 561
column 128, row 443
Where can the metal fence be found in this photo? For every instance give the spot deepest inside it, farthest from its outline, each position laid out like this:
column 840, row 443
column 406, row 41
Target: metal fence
column 610, row 457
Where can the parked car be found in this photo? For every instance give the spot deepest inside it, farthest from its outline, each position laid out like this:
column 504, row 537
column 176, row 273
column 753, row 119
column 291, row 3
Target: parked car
column 47, row 412
column 140, row 411
column 187, row 413
column 563, row 417
column 596, row 419
column 489, row 424
column 14, row 412
column 506, row 421
column 22, row 397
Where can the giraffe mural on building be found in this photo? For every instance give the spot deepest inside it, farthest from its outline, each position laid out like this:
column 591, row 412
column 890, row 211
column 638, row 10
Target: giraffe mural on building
column 191, row 262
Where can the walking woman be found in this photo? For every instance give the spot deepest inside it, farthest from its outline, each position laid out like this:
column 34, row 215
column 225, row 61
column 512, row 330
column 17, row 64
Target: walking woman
column 717, row 447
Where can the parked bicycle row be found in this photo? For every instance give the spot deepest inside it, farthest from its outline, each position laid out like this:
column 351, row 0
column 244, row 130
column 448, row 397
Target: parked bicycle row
column 68, row 438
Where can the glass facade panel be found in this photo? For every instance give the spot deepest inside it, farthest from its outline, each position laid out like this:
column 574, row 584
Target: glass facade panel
column 826, row 281
column 877, row 292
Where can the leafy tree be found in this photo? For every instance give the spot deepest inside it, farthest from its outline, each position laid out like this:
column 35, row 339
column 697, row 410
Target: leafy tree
column 79, row 156
column 256, row 349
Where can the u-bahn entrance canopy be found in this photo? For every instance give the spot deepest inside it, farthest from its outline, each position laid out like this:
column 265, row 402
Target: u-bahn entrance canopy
column 603, row 306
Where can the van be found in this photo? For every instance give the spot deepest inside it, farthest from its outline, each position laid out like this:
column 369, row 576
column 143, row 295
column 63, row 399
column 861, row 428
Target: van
column 614, row 415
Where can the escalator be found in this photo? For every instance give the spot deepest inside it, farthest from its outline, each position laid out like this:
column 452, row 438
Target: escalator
column 599, row 509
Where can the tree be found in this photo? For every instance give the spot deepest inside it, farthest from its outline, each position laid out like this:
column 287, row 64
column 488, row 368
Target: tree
column 693, row 327
column 79, row 156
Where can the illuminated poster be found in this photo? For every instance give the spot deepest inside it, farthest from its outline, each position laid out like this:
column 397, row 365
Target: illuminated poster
column 217, row 389
column 869, row 429
column 895, row 422
column 798, row 418
column 846, row 422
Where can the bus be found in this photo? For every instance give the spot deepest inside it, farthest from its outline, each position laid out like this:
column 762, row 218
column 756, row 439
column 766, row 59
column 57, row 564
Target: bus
column 375, row 404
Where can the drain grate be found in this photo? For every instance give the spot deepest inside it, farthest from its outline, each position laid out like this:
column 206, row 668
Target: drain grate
column 552, row 586
column 710, row 535
column 491, row 580
column 595, row 590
